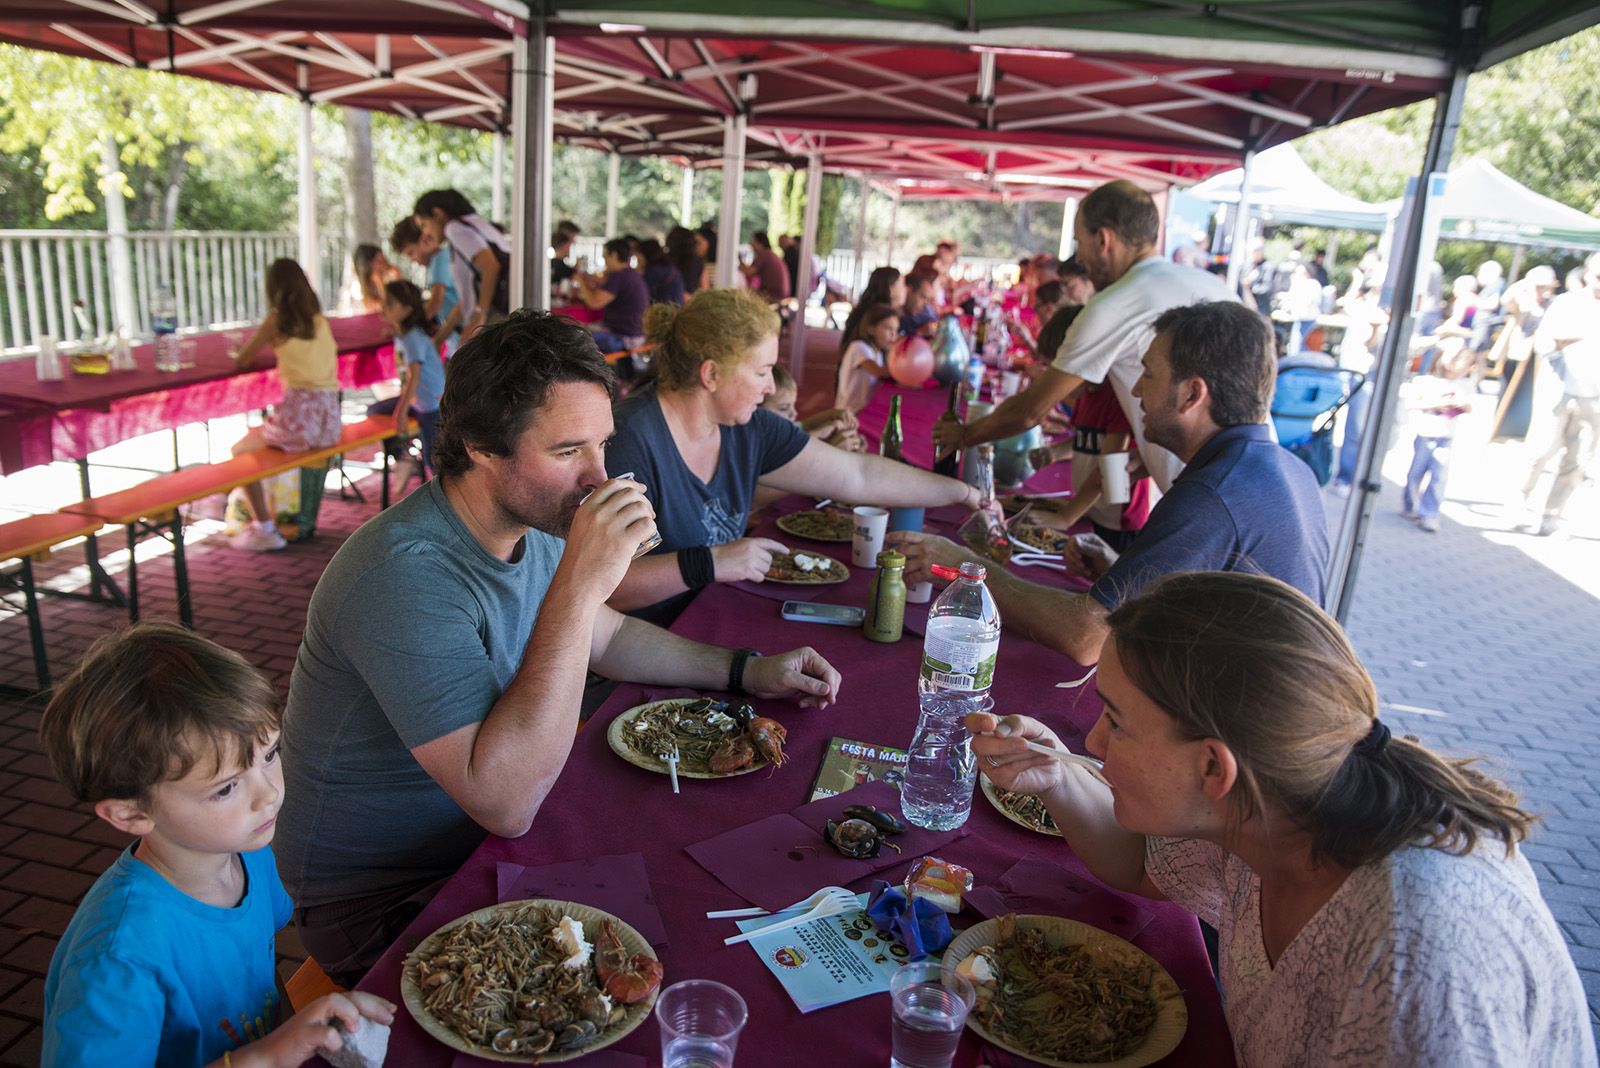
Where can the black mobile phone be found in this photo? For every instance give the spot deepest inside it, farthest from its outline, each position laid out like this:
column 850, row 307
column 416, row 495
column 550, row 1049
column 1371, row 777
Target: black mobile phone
column 840, row 615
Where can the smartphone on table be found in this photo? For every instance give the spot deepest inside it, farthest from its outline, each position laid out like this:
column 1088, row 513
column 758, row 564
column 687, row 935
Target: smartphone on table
column 840, row 615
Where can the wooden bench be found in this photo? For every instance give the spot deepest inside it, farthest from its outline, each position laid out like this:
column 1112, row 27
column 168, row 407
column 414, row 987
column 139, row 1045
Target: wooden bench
column 637, row 350
column 28, row 540
column 155, row 507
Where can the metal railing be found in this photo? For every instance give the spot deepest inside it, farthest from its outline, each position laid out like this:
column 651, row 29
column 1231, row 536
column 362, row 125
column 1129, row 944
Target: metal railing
column 217, row 279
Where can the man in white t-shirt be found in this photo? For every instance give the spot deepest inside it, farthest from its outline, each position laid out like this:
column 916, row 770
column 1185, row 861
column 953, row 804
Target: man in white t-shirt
column 1116, row 229
column 1569, row 339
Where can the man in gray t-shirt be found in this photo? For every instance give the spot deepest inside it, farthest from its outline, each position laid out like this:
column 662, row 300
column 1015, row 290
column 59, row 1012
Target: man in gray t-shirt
column 437, row 689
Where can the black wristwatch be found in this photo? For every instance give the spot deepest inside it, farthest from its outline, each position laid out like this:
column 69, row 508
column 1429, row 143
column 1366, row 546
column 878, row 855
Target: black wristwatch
column 736, row 666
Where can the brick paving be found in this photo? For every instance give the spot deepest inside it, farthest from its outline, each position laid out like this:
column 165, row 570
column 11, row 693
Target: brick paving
column 1489, row 639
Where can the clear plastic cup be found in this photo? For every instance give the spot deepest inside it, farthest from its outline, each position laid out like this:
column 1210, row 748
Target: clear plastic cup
column 700, row 1024
column 930, row 1006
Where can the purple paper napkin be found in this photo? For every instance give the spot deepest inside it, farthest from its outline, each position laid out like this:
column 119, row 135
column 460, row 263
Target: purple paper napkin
column 605, row 1058
column 779, row 859
column 617, row 884
column 781, row 591
column 1038, row 886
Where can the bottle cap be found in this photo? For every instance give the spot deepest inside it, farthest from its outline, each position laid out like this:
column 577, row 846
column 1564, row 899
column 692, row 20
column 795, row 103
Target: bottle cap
column 891, row 558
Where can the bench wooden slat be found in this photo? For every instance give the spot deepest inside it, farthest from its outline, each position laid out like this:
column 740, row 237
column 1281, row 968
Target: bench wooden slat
column 37, row 533
column 161, row 496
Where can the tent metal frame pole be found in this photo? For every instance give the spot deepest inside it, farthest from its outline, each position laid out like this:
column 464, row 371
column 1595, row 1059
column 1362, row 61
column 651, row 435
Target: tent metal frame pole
column 686, row 205
column 864, row 189
column 613, row 191
column 1241, row 223
column 803, row 284
column 533, row 127
column 1069, row 238
column 498, row 197
column 1344, row 564
column 307, row 183
column 732, row 199
column 894, row 224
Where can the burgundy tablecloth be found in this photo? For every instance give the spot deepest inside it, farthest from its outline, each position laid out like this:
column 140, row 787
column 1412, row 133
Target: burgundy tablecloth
column 79, row 414
column 602, row 804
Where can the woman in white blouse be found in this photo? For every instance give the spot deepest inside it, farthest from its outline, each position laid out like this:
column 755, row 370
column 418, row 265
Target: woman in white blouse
column 1371, row 904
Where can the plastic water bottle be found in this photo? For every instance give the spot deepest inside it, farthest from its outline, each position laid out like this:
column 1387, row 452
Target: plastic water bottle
column 164, row 321
column 958, row 656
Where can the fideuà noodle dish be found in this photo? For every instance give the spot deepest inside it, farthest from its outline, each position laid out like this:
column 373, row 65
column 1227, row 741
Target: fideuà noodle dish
column 1064, row 993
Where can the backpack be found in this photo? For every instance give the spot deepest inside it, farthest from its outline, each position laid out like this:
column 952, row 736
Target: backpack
column 500, row 303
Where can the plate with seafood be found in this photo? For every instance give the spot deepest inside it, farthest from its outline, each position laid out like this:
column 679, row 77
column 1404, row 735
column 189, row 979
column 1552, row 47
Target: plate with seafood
column 715, row 739
column 1066, row 994
column 531, row 982
column 806, row 569
column 818, row 524
column 1025, row 810
column 1040, row 537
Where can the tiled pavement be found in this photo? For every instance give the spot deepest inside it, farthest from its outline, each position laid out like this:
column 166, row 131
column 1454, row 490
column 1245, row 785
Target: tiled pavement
column 1482, row 641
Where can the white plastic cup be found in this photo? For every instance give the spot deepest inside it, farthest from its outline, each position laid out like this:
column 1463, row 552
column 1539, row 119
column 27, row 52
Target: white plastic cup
column 700, row 1023
column 919, row 593
column 1010, row 382
column 866, row 540
column 47, row 366
column 1114, row 477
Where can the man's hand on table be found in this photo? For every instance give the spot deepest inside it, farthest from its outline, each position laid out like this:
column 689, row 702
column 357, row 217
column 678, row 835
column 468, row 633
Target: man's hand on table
column 922, row 551
column 607, row 529
column 800, row 673
column 1088, row 556
column 745, row 560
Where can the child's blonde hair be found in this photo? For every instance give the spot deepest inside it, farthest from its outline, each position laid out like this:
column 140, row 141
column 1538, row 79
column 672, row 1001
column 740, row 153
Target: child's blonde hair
column 147, row 705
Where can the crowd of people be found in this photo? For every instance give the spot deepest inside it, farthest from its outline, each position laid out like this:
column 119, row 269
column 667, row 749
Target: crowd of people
column 1370, row 900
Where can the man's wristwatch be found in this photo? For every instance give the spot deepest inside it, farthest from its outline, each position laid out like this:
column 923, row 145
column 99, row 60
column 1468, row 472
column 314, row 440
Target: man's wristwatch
column 736, row 666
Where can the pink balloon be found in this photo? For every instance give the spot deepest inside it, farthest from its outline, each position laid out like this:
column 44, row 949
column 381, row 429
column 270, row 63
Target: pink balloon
column 911, row 361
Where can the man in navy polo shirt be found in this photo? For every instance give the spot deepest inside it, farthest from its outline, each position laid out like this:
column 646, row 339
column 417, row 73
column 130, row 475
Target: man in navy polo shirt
column 1241, row 503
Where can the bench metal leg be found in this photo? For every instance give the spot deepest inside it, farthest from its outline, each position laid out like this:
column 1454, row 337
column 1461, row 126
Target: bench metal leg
column 180, row 572
column 133, row 572
column 383, row 501
column 98, row 579
column 23, row 581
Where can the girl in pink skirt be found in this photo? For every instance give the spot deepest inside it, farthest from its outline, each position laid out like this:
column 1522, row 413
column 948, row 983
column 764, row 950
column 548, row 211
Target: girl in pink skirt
column 308, row 364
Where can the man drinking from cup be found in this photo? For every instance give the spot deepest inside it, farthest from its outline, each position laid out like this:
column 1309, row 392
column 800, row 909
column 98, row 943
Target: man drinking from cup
column 1242, row 503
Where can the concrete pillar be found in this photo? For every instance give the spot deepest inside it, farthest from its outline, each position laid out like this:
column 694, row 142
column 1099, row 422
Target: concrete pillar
column 732, row 200
column 533, row 124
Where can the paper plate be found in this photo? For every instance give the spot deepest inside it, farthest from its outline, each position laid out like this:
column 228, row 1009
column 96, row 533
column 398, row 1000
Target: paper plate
column 992, row 792
column 794, row 524
column 590, row 917
column 836, row 573
column 1172, row 1014
column 639, row 760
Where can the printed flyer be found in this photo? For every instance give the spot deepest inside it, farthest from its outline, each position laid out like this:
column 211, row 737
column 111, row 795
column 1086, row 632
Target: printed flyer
column 829, row 960
column 847, row 763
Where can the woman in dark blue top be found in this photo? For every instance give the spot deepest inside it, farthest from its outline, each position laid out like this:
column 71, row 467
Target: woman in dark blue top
column 699, row 441
column 661, row 277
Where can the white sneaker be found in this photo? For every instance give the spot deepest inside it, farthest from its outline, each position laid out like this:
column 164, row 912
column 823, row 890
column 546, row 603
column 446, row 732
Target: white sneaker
column 258, row 539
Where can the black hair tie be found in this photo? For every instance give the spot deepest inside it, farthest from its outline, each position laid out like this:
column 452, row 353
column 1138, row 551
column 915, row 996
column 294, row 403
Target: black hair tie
column 1376, row 739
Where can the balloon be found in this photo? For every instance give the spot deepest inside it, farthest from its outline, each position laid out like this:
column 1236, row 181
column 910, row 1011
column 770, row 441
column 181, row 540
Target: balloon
column 911, row 361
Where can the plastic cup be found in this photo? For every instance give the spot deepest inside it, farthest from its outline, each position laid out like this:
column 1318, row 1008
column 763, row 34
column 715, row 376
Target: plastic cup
column 1114, row 477
column 867, row 532
column 1010, row 382
column 700, row 1024
column 905, row 519
column 919, row 593
column 930, row 1005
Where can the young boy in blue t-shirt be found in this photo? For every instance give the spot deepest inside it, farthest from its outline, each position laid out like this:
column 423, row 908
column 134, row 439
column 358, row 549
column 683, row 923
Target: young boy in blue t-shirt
column 169, row 959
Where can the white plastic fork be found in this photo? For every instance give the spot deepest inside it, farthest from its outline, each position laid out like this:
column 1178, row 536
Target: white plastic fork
column 741, row 914
column 1050, row 560
column 831, row 905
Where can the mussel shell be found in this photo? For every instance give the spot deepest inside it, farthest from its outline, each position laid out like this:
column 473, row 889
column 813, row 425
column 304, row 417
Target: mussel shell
column 854, row 838
column 742, row 713
column 576, row 1034
column 887, row 822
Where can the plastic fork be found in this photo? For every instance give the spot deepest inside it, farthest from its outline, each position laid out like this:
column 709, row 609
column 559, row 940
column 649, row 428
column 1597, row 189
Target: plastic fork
column 672, row 766
column 1049, row 560
column 740, row 914
column 831, row 905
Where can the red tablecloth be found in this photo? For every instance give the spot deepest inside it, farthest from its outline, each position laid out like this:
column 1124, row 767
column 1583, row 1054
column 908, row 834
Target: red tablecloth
column 601, row 804
column 80, row 414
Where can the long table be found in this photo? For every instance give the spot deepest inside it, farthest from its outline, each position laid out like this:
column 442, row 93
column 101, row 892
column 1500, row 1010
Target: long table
column 41, row 422
column 603, row 805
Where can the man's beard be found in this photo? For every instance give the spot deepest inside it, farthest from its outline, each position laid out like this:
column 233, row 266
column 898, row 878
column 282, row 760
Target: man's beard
column 542, row 515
